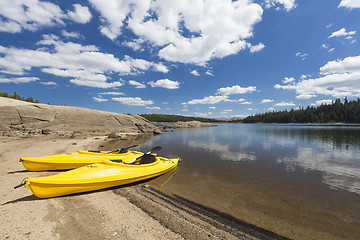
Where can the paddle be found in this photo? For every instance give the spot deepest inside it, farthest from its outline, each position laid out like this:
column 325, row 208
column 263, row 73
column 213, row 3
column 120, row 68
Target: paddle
column 155, row 149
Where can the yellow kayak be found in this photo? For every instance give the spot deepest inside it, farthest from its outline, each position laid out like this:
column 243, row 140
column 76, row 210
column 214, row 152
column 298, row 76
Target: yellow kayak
column 98, row 176
column 74, row 160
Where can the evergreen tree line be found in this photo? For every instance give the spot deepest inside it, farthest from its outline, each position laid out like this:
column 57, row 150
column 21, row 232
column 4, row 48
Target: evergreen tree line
column 175, row 118
column 337, row 111
column 18, row 97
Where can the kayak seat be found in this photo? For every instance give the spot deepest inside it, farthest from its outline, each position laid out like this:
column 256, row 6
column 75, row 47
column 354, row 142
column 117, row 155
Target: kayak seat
column 123, row 150
column 147, row 158
column 94, row 151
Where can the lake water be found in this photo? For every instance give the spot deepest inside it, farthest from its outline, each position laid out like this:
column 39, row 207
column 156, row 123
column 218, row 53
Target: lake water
column 299, row 181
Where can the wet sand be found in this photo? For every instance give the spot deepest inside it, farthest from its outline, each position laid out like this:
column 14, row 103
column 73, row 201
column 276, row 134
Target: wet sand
column 129, row 212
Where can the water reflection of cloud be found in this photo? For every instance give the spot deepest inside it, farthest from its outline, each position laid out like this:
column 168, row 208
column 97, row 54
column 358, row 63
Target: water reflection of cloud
column 223, row 151
column 341, row 169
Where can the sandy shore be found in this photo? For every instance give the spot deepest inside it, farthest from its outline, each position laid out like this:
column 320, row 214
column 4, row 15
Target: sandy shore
column 129, row 212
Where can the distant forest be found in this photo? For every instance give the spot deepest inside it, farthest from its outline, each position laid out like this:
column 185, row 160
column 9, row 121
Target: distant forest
column 18, row 97
column 175, row 118
column 337, row 111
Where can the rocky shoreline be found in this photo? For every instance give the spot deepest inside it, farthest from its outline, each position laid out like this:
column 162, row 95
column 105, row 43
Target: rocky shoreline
column 19, row 118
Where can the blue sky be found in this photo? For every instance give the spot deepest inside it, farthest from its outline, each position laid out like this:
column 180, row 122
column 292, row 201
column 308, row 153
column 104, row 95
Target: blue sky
column 216, row 58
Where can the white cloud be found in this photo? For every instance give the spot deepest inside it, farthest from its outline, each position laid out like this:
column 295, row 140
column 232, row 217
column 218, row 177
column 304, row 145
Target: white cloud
column 324, row 101
column 133, row 101
column 208, row 72
column 288, row 80
column 100, row 99
column 350, row 4
column 301, row 55
column 80, row 15
column 136, row 44
column 49, row 83
column 271, row 109
column 267, row 100
column 342, row 33
column 165, row 83
column 284, row 104
column 287, row 4
column 111, row 93
column 220, row 30
column 34, row 14
column 209, row 100
column 257, row 48
column 195, row 73
column 235, row 90
column 159, row 67
column 71, row 34
column 325, row 46
column 222, row 95
column 212, row 107
column 18, row 80
column 246, row 103
column 137, row 84
column 86, row 65
column 153, row 108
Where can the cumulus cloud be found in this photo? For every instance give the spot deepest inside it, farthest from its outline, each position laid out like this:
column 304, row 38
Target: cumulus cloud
column 208, row 72
column 179, row 32
column 337, row 78
column 133, row 101
column 84, row 65
column 222, row 95
column 71, row 34
column 49, row 83
column 18, row 80
column 245, row 103
column 287, row 4
column 153, row 108
column 284, row 104
column 165, row 83
column 195, row 73
column 235, row 90
column 32, row 15
column 350, row 4
column 257, row 48
column 342, row 33
column 81, row 14
column 100, row 99
column 267, row 100
column 288, row 80
column 137, row 84
column 209, row 100
column 111, row 93
column 324, row 101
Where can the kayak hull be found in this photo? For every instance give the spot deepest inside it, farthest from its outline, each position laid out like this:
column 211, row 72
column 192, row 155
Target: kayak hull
column 97, row 176
column 73, row 160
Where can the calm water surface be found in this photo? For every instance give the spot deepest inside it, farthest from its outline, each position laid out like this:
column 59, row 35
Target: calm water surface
column 300, row 181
